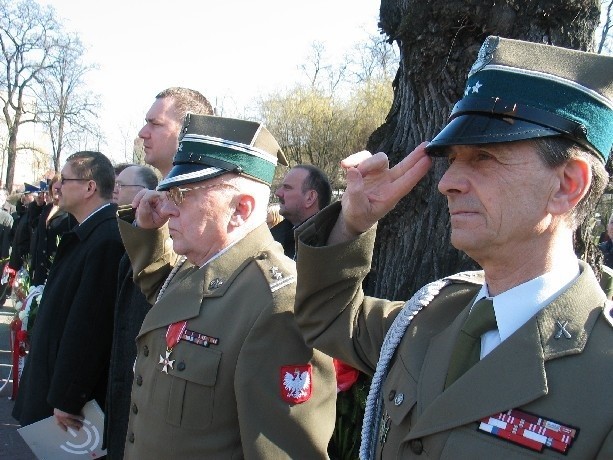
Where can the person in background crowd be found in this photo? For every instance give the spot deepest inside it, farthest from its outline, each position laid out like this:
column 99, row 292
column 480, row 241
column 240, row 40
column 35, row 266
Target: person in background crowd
column 511, row 361
column 26, row 211
column 607, row 246
column 68, row 361
column 272, row 216
column 4, row 204
column 130, row 309
column 163, row 122
column 221, row 369
column 52, row 224
column 6, row 223
column 304, row 192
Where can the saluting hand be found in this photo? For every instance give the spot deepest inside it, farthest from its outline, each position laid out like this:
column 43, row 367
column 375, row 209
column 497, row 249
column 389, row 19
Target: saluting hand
column 373, row 189
column 148, row 205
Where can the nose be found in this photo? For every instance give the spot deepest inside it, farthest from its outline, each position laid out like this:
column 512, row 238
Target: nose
column 454, row 180
column 169, row 208
column 144, row 132
column 279, row 193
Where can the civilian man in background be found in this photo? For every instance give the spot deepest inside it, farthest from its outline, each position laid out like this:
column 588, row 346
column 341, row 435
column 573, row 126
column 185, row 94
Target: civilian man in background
column 305, row 190
column 163, row 122
column 130, row 309
column 221, row 368
column 71, row 341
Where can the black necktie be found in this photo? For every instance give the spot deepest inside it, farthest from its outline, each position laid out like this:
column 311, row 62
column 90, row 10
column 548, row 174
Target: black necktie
column 467, row 348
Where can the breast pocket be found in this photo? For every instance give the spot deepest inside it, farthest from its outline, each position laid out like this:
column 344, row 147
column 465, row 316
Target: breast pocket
column 192, row 386
column 399, row 395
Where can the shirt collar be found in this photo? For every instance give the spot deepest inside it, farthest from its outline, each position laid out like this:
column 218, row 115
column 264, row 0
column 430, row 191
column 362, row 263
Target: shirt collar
column 513, row 308
column 94, row 212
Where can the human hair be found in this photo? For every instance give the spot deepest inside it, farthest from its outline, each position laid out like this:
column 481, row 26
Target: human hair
column 187, row 100
column 94, row 166
column 555, row 151
column 147, row 177
column 318, row 181
column 121, row 166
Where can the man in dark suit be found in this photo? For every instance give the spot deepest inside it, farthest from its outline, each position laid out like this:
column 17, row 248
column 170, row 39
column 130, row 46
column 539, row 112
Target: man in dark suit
column 510, row 362
column 69, row 357
column 305, row 190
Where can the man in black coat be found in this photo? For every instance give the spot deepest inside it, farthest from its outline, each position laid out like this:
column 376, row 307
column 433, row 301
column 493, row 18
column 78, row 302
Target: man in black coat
column 70, row 345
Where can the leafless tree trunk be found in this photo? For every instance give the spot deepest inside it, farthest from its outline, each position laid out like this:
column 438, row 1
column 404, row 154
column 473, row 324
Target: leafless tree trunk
column 606, row 32
column 27, row 39
column 438, row 42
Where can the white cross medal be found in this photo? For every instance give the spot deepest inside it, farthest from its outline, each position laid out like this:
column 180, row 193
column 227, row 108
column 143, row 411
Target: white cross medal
column 173, row 336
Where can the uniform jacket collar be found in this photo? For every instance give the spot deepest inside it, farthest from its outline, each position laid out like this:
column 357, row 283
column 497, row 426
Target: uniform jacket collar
column 514, row 373
column 108, row 212
column 184, row 295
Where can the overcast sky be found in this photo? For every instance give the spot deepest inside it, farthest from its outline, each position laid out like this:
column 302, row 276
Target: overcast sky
column 230, row 50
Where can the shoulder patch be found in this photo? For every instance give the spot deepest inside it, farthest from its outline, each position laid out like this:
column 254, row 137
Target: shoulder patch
column 274, row 269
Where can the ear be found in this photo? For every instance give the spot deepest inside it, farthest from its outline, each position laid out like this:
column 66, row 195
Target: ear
column 574, row 178
column 311, row 198
column 91, row 188
column 244, row 208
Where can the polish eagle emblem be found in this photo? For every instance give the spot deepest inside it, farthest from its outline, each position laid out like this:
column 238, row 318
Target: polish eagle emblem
column 296, row 383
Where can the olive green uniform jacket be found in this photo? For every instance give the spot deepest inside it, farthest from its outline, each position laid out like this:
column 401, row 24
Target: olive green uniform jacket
column 224, row 400
column 567, row 380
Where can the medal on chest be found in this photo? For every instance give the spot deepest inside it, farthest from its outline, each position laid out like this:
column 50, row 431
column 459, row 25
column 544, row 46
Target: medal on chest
column 173, row 336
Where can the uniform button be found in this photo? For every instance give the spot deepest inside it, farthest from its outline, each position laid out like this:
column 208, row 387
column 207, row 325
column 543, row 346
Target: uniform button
column 263, row 256
column 131, row 438
column 146, row 350
column 391, row 395
column 417, row 446
column 399, row 399
column 181, row 366
column 134, row 408
column 139, row 380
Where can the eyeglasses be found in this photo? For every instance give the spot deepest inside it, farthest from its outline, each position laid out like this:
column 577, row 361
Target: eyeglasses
column 65, row 179
column 119, row 185
column 176, row 194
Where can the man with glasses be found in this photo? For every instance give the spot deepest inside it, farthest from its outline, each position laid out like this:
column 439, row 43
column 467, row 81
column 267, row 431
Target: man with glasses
column 68, row 361
column 221, row 369
column 130, row 309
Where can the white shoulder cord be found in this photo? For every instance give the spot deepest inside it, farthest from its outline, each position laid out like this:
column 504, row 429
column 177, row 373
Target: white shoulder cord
column 372, row 414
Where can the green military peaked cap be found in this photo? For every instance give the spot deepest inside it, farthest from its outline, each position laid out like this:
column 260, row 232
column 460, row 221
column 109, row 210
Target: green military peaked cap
column 210, row 146
column 521, row 90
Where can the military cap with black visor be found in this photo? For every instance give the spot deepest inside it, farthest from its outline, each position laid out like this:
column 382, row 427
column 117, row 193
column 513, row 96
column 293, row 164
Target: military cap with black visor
column 519, row 90
column 210, row 146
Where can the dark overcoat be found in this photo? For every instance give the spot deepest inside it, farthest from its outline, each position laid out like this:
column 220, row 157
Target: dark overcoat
column 130, row 310
column 71, row 340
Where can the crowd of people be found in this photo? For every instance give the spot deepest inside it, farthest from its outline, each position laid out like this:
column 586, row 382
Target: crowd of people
column 205, row 323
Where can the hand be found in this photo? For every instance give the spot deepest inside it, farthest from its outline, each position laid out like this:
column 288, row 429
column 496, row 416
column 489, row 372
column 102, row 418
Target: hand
column 148, row 204
column 66, row 420
column 373, row 189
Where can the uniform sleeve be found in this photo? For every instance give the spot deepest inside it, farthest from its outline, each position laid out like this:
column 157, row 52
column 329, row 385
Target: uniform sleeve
column 270, row 426
column 84, row 349
column 331, row 309
column 606, row 451
column 151, row 256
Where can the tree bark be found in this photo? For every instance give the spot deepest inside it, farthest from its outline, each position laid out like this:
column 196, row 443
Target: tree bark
column 438, row 42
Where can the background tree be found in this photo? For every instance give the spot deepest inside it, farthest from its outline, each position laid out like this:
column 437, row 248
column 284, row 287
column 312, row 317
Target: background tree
column 438, row 42
column 335, row 109
column 604, row 36
column 65, row 106
column 27, row 41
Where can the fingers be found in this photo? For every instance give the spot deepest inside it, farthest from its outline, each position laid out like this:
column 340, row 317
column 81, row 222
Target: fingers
column 68, row 421
column 355, row 159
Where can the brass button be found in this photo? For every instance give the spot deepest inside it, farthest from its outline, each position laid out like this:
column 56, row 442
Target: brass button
column 181, row 366
column 139, row 380
column 399, row 399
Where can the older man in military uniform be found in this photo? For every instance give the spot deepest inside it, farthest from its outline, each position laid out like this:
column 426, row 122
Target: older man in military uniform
column 511, row 362
column 222, row 370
